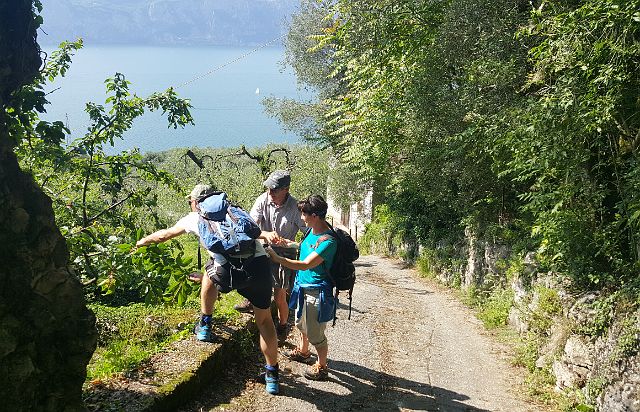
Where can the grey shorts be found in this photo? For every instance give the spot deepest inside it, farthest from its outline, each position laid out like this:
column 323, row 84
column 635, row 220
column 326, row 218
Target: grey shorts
column 257, row 289
column 308, row 322
column 283, row 277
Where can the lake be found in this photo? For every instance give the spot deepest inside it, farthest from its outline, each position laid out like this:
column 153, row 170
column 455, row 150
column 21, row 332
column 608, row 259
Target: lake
column 226, row 103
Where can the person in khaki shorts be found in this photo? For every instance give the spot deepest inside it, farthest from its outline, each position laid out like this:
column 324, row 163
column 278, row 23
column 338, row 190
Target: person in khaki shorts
column 276, row 213
column 312, row 293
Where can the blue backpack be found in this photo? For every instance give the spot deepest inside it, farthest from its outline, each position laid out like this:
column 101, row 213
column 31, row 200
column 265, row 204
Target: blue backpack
column 225, row 228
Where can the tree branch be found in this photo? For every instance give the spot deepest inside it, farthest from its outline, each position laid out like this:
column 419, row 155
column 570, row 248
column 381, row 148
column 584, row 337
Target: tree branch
column 111, row 207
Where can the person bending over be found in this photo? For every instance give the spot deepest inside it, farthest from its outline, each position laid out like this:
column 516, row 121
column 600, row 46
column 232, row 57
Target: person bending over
column 257, row 291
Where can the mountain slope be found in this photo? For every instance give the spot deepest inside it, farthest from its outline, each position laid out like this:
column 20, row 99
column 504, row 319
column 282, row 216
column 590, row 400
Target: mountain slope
column 165, row 22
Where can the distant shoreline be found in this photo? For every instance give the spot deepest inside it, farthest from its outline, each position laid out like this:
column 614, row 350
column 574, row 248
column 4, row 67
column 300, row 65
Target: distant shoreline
column 160, row 45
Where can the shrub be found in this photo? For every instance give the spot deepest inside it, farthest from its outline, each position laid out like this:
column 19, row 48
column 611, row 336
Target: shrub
column 494, row 311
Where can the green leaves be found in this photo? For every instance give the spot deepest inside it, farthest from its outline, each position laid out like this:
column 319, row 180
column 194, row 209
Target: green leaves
column 176, row 109
column 60, row 60
column 99, row 199
column 490, row 115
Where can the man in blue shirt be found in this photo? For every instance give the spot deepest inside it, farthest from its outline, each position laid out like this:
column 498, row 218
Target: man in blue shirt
column 312, row 293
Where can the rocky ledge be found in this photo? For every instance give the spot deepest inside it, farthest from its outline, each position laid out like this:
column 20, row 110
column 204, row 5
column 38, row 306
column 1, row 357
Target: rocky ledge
column 172, row 377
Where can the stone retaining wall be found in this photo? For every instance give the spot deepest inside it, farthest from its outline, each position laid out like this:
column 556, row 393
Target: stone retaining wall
column 598, row 366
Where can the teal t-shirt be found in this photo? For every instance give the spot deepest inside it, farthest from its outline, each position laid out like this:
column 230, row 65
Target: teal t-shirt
column 326, row 249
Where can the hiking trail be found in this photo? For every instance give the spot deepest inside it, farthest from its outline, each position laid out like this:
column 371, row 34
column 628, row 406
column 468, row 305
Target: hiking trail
column 409, row 345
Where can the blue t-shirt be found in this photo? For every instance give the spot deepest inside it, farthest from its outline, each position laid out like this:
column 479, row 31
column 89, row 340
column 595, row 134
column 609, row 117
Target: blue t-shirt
column 326, row 249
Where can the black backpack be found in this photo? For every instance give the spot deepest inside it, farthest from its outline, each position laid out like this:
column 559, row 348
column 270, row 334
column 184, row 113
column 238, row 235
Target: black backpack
column 342, row 272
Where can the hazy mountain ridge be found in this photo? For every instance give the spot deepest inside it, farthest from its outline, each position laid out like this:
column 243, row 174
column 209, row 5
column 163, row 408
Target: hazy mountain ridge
column 165, row 22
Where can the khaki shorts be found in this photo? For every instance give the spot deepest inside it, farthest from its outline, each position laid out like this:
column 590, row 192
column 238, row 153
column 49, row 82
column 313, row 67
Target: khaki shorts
column 283, row 277
column 308, row 322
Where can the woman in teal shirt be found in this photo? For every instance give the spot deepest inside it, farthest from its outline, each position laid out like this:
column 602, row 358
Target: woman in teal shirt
column 312, row 293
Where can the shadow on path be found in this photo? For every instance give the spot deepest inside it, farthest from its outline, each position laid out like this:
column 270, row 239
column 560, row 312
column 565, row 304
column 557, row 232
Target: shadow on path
column 373, row 390
column 367, row 390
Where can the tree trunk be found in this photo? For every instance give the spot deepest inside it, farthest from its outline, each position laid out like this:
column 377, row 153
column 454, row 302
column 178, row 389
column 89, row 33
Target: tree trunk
column 47, row 334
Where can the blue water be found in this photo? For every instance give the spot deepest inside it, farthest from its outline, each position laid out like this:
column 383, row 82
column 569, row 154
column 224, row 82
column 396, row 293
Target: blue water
column 227, row 110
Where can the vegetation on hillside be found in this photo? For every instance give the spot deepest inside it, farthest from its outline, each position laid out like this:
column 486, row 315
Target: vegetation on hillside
column 513, row 119
column 497, row 116
column 103, row 203
column 510, row 121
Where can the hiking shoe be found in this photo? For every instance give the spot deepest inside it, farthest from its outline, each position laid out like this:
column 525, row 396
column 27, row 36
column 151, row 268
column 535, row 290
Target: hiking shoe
column 317, row 373
column 282, row 331
column 262, row 378
column 244, row 307
column 203, row 333
column 271, row 382
column 296, row 355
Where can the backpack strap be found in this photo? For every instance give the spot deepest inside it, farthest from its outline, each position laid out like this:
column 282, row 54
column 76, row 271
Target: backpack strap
column 304, row 236
column 212, row 226
column 335, row 308
column 327, row 269
column 322, row 239
column 233, row 217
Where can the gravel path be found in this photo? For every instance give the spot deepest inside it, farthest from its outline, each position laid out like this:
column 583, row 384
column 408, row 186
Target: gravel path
column 408, row 346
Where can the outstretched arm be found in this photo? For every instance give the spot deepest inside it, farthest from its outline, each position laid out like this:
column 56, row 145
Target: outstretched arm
column 161, row 236
column 309, row 262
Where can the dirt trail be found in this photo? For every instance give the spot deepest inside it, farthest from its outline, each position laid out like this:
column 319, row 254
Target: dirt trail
column 408, row 346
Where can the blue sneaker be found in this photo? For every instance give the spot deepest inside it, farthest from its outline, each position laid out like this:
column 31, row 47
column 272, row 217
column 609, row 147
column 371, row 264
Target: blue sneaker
column 271, row 382
column 203, row 333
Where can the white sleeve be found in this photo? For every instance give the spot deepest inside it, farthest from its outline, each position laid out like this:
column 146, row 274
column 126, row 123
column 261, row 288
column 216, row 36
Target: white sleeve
column 256, row 210
column 189, row 223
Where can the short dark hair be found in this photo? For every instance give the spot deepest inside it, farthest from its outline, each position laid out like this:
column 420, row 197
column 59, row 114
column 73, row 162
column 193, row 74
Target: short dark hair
column 313, row 205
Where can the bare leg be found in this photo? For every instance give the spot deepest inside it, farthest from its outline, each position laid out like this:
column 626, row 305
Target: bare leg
column 268, row 338
column 208, row 295
column 304, row 343
column 280, row 297
column 322, row 355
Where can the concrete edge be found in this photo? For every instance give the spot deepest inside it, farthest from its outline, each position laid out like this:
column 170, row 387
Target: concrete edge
column 187, row 385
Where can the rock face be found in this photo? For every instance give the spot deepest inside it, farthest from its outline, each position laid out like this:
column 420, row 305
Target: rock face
column 585, row 345
column 47, row 334
column 167, row 22
column 623, row 395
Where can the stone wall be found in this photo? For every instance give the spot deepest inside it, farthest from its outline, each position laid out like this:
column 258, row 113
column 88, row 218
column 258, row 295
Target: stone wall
column 603, row 365
column 353, row 219
column 47, row 334
column 582, row 349
column 598, row 366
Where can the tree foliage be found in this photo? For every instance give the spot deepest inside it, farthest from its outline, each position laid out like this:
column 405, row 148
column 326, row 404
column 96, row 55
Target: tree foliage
column 516, row 120
column 99, row 200
column 103, row 203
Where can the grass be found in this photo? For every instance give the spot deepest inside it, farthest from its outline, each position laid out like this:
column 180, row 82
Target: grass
column 130, row 335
